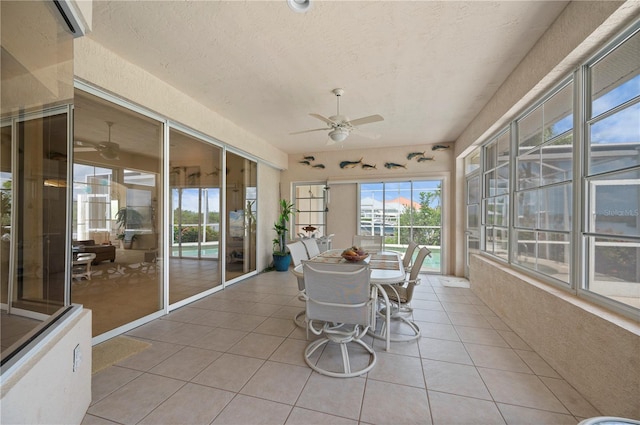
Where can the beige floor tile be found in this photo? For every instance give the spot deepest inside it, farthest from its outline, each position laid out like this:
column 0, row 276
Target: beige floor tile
column 514, row 340
column 241, row 321
column 192, row 404
column 495, row 322
column 245, row 410
column 133, row 401
column 521, row 390
column 572, row 399
column 517, row 415
column 277, row 382
column 475, row 320
column 537, row 364
column 448, row 351
column 427, row 305
column 382, row 401
column 275, row 326
column 257, row 345
column 186, row 363
column 229, row 372
column 219, row 339
column 94, row 420
column 398, row 369
column 300, row 416
column 341, row 397
column 287, row 312
column 451, row 307
column 404, row 348
column 496, row 358
column 438, row 331
column 110, row 379
column 431, row 316
column 154, row 329
column 454, row 378
column 450, row 409
column 291, row 351
column 158, row 352
column 186, row 334
column 481, row 336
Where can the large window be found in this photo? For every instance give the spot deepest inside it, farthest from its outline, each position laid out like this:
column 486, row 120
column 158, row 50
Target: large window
column 404, row 211
column 574, row 219
column 495, row 217
column 311, row 204
column 612, row 236
column 543, row 193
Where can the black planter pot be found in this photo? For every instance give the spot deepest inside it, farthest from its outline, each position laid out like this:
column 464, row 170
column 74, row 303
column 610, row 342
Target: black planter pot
column 281, row 262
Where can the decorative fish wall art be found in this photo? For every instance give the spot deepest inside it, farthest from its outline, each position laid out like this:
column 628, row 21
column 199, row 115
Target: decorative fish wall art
column 392, row 165
column 308, row 159
column 419, row 156
column 440, row 147
column 368, row 166
column 350, row 164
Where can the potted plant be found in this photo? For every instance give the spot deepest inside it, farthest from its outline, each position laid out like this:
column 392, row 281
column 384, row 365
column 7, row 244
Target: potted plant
column 127, row 218
column 281, row 255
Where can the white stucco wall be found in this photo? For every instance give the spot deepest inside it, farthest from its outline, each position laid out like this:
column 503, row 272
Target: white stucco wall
column 343, row 212
column 102, row 68
column 45, row 389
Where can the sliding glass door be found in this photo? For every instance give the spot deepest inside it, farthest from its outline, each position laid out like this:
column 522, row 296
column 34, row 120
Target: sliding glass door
column 194, row 181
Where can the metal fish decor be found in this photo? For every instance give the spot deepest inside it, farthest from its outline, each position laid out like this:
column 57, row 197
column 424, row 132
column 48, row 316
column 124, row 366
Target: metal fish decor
column 308, row 159
column 391, row 165
column 350, row 164
column 414, row 154
column 440, row 148
column 426, row 158
column 368, row 167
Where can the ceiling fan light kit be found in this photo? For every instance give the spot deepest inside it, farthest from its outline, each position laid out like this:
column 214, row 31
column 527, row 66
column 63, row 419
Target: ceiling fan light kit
column 299, row 6
column 339, row 125
column 338, row 135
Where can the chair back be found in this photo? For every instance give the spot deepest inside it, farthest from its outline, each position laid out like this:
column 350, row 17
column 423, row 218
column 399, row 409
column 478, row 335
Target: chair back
column 338, row 293
column 408, row 255
column 298, row 252
column 415, row 271
column 312, row 247
column 369, row 243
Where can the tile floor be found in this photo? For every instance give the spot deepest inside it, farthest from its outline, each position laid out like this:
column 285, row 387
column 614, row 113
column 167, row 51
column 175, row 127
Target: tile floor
column 235, row 357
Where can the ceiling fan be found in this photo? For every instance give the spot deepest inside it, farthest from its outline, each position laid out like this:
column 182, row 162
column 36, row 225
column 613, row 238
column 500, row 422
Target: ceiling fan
column 340, row 126
column 108, row 150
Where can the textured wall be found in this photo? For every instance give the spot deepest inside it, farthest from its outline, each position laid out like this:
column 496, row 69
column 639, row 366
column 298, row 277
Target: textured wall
column 596, row 351
column 45, row 390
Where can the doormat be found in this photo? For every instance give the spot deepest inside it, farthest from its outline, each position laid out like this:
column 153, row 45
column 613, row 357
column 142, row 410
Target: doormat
column 114, row 350
column 454, row 282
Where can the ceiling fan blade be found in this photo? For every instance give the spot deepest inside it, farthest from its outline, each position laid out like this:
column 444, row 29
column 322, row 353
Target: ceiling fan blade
column 321, row 118
column 83, row 149
column 309, row 131
column 366, row 120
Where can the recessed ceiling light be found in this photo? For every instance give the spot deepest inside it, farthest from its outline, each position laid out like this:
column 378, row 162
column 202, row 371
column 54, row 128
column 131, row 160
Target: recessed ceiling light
column 299, row 6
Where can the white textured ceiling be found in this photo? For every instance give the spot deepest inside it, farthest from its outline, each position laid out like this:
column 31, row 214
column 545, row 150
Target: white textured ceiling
column 427, row 67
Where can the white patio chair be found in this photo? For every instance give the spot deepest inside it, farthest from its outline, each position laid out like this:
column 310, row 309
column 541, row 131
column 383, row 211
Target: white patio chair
column 407, row 259
column 298, row 254
column 312, row 247
column 81, row 267
column 400, row 296
column 339, row 301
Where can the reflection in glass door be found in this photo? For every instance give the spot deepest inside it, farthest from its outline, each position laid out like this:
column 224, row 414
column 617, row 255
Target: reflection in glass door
column 472, row 229
column 116, row 197
column 194, row 181
column 241, row 209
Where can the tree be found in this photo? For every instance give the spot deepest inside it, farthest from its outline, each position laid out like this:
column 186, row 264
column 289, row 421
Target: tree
column 429, row 214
